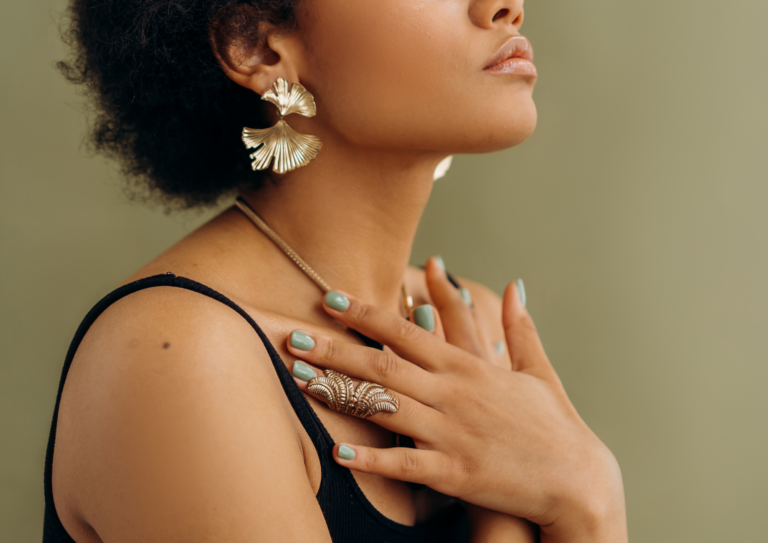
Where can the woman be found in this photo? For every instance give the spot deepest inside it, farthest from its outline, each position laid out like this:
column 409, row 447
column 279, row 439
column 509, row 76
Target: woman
column 185, row 411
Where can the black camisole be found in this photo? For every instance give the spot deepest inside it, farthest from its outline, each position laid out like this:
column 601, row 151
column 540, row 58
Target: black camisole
column 351, row 518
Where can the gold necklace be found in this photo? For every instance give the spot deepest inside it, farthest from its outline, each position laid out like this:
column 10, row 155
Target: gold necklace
column 303, row 266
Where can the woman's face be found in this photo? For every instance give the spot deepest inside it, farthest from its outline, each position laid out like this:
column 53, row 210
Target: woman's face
column 412, row 74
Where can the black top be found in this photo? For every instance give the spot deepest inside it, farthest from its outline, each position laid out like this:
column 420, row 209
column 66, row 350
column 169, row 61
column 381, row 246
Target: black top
column 348, row 513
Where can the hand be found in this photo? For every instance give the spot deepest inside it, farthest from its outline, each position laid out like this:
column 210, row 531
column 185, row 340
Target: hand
column 509, row 441
column 463, row 324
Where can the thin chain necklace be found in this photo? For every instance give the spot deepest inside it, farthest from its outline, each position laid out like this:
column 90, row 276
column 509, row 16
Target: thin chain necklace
column 290, row 253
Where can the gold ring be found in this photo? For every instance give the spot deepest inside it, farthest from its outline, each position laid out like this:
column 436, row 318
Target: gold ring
column 341, row 395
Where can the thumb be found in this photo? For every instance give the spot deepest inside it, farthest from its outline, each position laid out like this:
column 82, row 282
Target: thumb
column 525, row 348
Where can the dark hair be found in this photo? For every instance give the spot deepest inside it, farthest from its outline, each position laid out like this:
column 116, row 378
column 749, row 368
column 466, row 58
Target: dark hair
column 163, row 106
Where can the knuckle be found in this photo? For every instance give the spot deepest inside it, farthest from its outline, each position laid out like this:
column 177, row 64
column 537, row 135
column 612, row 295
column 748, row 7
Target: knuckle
column 451, row 389
column 371, row 461
column 463, row 472
column 359, row 312
column 523, row 327
column 409, row 464
column 329, row 351
column 527, row 325
column 406, row 331
column 384, row 365
column 479, row 371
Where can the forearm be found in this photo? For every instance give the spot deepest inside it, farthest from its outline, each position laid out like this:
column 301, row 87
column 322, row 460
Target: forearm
column 487, row 526
column 599, row 519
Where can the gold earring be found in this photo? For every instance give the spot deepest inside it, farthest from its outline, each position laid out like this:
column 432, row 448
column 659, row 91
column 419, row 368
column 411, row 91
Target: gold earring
column 290, row 149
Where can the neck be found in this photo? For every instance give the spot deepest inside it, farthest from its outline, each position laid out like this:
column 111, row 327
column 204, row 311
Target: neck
column 352, row 216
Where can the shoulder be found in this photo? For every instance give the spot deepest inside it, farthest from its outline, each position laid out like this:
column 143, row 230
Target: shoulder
column 172, row 405
column 171, row 333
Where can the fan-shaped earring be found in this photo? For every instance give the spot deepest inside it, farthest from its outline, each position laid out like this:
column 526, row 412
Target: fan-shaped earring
column 290, row 149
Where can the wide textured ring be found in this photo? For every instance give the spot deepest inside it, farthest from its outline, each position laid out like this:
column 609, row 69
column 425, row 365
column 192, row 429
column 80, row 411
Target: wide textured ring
column 341, row 395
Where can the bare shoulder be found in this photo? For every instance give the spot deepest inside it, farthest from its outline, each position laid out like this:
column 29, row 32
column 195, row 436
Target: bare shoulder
column 173, row 426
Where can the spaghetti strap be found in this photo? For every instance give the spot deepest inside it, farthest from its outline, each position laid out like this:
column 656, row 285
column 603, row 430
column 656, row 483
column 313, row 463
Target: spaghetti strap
column 349, row 514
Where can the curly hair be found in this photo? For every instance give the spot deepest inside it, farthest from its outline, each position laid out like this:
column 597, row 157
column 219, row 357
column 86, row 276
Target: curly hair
column 163, row 106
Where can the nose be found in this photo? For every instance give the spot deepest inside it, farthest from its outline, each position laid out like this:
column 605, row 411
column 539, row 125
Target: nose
column 488, row 14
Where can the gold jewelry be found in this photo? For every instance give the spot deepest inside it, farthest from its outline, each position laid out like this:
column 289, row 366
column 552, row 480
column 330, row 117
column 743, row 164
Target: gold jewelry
column 362, row 401
column 337, row 389
column 277, row 240
column 290, row 149
column 303, row 266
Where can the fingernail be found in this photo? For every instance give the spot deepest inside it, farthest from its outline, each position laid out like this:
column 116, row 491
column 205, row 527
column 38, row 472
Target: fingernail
column 466, row 296
column 336, row 300
column 521, row 291
column 347, row 453
column 300, row 340
column 302, row 371
column 425, row 317
column 440, row 262
column 500, row 347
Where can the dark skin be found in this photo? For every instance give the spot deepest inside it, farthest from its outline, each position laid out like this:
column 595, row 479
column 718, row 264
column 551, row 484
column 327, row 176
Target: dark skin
column 197, row 440
column 132, row 361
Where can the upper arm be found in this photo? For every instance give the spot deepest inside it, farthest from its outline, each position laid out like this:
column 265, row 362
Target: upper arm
column 177, row 429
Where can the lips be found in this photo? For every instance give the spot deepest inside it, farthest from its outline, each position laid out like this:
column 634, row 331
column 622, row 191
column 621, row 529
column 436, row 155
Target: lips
column 515, row 56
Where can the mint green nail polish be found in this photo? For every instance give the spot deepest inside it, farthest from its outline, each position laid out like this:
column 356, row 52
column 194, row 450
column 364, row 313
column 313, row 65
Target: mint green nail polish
column 500, row 347
column 440, row 262
column 466, row 296
column 302, row 371
column 425, row 317
column 347, row 453
column 521, row 291
column 302, row 341
column 336, row 300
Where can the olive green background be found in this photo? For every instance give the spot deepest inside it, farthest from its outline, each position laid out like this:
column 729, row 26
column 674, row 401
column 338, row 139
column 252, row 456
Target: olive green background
column 636, row 215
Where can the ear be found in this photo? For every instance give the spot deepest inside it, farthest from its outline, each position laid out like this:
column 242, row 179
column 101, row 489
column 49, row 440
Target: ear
column 255, row 61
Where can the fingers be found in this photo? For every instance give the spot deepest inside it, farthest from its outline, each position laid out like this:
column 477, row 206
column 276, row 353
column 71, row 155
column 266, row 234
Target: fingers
column 412, row 418
column 414, row 342
column 412, row 465
column 525, row 348
column 364, row 363
column 454, row 307
column 438, row 330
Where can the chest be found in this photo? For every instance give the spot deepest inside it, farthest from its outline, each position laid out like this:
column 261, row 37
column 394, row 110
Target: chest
column 394, row 499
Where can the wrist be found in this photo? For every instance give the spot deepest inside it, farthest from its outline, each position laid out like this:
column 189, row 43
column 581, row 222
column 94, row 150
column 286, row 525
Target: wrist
column 489, row 526
column 595, row 514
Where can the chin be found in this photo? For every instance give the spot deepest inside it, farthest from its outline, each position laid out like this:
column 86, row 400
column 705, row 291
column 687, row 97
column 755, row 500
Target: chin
column 504, row 131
